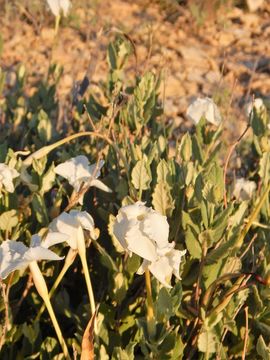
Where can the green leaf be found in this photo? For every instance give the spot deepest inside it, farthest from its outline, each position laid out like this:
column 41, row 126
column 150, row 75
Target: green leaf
column 162, row 199
column 39, row 165
column 185, row 148
column 220, row 225
column 127, row 354
column 106, row 259
column 48, row 180
column 197, row 149
column 141, row 175
column 119, row 287
column 118, row 247
column 264, row 167
column 8, row 220
column 238, row 216
column 44, row 127
column 49, row 348
column 164, row 305
column 40, row 209
column 163, row 171
column 262, row 349
column 258, row 302
column 192, row 243
column 3, row 146
column 132, row 264
column 221, row 252
column 257, row 123
column 212, row 272
column 207, row 342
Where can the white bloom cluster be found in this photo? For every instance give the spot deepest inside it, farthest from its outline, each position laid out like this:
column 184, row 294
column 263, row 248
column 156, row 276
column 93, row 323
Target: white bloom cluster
column 204, row 108
column 143, row 231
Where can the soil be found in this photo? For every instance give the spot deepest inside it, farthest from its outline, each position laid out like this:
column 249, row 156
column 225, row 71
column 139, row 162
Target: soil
column 224, row 53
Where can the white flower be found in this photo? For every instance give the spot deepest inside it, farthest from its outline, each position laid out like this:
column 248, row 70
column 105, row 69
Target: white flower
column 165, row 266
column 14, row 255
column 145, row 232
column 257, row 104
column 72, row 225
column 204, row 108
column 141, row 230
column 243, row 189
column 78, row 172
column 7, row 175
column 57, row 6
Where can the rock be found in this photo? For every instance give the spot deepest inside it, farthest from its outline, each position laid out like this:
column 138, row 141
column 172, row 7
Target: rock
column 254, row 5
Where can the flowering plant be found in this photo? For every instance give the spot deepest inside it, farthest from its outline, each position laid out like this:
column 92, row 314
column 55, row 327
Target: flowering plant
column 145, row 232
column 78, row 172
column 204, row 107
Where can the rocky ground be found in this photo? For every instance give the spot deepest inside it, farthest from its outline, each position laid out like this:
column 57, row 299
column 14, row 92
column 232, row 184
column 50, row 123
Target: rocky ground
column 223, row 53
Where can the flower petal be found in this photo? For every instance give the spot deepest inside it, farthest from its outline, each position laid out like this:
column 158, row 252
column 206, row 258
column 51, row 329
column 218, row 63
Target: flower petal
column 156, row 227
column 65, row 6
column 162, row 270
column 134, row 211
column 99, row 184
column 12, row 257
column 40, row 253
column 66, row 224
column 204, row 108
column 54, row 6
column 140, row 244
column 175, row 258
column 244, row 189
column 143, row 267
column 7, row 174
column 53, row 238
column 86, row 221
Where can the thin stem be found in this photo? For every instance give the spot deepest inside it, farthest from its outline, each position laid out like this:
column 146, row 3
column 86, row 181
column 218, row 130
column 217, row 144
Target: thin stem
column 69, row 260
column 56, row 25
column 210, row 290
column 56, row 327
column 246, row 334
column 88, row 283
column 252, row 218
column 198, row 285
column 150, row 305
column 42, row 289
column 47, row 149
column 7, row 324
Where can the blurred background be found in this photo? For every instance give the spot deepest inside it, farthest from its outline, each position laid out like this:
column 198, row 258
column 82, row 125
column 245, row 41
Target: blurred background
column 216, row 48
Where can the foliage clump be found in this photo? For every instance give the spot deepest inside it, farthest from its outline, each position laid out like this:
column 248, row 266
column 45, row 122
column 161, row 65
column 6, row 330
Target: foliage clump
column 219, row 307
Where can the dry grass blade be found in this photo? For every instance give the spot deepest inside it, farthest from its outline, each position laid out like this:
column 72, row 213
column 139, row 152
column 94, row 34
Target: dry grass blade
column 88, row 340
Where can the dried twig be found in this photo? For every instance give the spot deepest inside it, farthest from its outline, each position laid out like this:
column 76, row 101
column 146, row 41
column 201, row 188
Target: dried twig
column 246, row 334
column 24, row 294
column 6, row 324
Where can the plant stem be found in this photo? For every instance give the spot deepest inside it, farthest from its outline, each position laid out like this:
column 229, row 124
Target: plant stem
column 56, row 25
column 45, row 150
column 43, row 292
column 88, row 283
column 252, row 218
column 150, row 306
column 68, row 262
